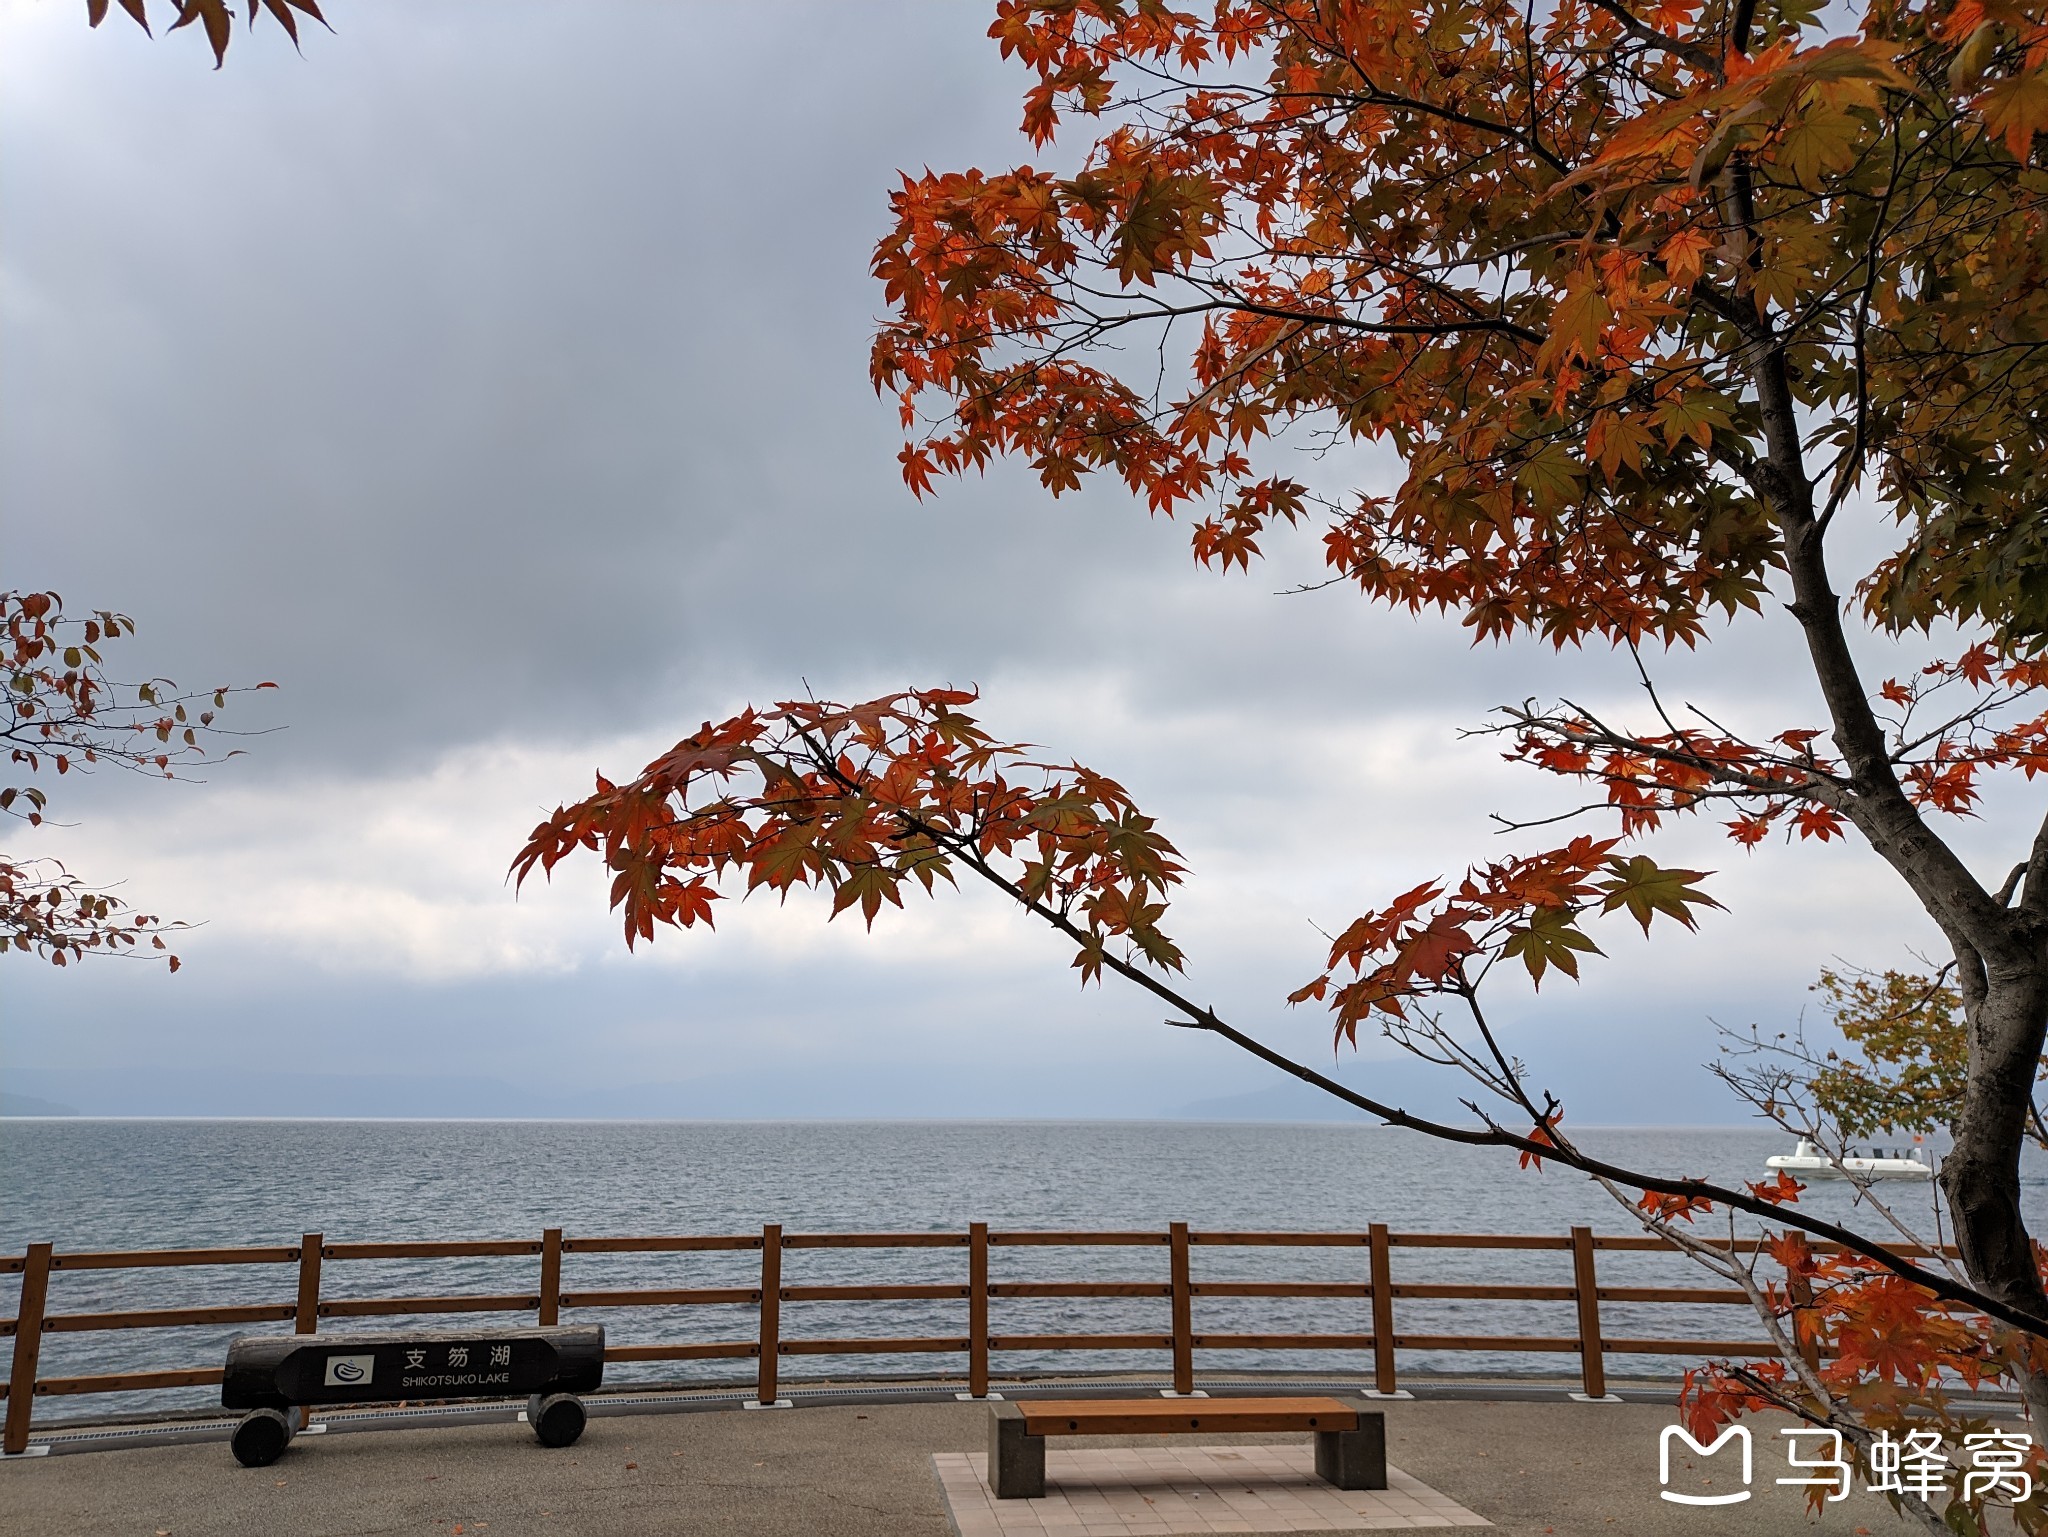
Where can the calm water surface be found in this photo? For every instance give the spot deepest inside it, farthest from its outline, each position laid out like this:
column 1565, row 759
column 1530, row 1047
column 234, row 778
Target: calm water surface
column 104, row 1184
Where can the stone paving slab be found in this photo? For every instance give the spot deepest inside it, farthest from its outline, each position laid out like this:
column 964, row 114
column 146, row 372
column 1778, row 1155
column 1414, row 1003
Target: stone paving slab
column 1123, row 1492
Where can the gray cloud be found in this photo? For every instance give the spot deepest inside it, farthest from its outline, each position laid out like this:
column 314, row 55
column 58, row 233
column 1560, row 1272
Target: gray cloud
column 496, row 383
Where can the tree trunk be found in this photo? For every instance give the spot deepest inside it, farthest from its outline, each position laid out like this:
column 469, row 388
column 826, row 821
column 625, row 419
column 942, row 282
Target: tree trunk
column 2001, row 952
column 2007, row 1016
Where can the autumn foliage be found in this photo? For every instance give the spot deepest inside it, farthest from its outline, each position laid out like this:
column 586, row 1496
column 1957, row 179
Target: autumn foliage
column 863, row 802
column 215, row 18
column 1535, row 256
column 66, row 716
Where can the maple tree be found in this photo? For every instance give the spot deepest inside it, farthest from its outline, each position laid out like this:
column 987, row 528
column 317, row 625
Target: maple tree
column 1651, row 301
column 215, row 18
column 66, row 716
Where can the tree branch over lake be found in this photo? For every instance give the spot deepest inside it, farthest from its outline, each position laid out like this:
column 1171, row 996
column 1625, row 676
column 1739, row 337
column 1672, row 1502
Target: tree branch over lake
column 867, row 800
column 66, row 716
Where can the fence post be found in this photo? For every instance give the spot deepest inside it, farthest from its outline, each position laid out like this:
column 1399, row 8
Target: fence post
column 1382, row 1310
column 1592, row 1358
column 550, row 1277
column 28, row 1345
column 977, row 1309
column 307, row 1319
column 1183, row 1311
column 771, row 1310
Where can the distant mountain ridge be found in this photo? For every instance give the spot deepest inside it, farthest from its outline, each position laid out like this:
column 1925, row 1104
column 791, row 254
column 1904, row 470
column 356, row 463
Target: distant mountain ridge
column 874, row 1091
column 1282, row 1102
column 1410, row 1084
column 28, row 1104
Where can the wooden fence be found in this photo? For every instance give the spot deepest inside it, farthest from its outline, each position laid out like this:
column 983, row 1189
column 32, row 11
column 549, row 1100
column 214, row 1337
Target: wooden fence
column 976, row 1341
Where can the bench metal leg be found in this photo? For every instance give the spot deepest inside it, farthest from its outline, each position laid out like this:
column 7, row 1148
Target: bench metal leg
column 1016, row 1461
column 1354, row 1459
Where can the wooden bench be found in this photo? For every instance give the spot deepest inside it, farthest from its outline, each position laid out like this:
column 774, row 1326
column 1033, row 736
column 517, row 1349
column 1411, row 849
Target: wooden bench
column 1351, row 1439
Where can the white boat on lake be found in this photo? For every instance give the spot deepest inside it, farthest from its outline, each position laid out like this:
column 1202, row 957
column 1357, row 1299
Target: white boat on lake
column 1809, row 1162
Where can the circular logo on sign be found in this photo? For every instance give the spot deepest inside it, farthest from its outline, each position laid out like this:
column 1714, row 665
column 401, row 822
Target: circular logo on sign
column 348, row 1371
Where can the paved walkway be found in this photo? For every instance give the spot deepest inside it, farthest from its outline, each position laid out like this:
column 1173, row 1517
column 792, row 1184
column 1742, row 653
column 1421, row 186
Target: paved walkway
column 1531, row 1469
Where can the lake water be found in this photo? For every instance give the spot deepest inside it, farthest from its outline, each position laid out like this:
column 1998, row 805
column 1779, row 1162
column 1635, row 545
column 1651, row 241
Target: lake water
column 104, row 1184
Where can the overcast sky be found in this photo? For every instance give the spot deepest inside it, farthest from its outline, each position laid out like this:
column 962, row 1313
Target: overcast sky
column 494, row 380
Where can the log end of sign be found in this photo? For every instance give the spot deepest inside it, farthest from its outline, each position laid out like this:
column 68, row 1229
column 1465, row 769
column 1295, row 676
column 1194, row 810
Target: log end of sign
column 557, row 1418
column 262, row 1437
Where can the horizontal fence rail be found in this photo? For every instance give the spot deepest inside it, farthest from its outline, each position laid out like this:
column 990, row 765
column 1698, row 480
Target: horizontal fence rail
column 977, row 1340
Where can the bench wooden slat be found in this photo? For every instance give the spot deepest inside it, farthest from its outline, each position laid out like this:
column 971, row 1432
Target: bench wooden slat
column 1156, row 1416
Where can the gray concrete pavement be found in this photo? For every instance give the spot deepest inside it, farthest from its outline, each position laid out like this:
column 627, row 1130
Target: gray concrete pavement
column 1556, row 1469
